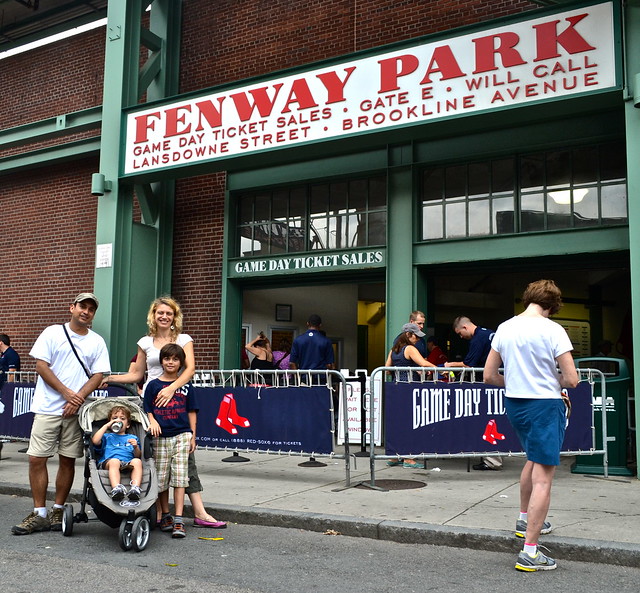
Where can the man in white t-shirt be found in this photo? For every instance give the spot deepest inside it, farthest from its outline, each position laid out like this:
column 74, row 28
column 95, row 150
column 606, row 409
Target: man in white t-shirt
column 70, row 361
column 531, row 347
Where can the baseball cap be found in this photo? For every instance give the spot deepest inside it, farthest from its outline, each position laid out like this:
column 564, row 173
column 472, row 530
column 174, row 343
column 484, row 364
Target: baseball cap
column 86, row 296
column 413, row 329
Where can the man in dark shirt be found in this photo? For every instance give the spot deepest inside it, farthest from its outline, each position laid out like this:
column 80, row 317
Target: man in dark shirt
column 312, row 350
column 479, row 348
column 417, row 317
column 9, row 359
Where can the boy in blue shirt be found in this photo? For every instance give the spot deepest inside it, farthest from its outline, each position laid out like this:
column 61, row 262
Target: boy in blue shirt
column 119, row 451
column 174, row 429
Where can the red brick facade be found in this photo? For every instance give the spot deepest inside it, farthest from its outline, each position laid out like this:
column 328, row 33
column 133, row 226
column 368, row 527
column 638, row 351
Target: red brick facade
column 48, row 214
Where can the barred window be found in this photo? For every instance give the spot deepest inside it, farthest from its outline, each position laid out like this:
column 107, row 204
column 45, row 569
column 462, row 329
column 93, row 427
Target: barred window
column 558, row 189
column 332, row 215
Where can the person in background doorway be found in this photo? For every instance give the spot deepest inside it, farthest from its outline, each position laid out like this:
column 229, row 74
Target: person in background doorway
column 604, row 348
column 282, row 355
column 417, row 317
column 436, row 355
column 479, row 348
column 312, row 350
column 531, row 347
column 262, row 360
column 9, row 360
column 260, row 347
column 404, row 353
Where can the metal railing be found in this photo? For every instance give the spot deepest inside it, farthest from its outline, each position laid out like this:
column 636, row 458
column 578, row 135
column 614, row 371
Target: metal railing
column 470, row 374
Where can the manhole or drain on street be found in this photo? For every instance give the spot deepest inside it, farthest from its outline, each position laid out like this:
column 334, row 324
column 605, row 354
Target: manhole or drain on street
column 396, row 484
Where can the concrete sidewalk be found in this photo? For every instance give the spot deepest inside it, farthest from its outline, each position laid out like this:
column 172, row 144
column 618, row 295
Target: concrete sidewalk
column 595, row 519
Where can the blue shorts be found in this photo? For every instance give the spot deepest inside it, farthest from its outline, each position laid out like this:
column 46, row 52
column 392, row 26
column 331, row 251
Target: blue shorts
column 540, row 425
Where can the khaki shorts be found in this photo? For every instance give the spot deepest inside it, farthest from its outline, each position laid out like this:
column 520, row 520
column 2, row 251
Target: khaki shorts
column 55, row 434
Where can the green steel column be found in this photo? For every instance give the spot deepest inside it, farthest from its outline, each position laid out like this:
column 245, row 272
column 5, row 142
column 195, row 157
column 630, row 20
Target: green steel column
column 400, row 231
column 140, row 266
column 632, row 113
column 231, row 301
column 114, row 223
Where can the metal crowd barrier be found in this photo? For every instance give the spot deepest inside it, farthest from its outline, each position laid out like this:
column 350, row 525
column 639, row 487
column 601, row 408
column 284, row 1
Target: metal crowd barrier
column 277, row 379
column 470, row 374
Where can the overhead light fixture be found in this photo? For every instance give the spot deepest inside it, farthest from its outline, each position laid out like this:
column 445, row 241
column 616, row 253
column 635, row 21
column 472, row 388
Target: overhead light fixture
column 564, row 196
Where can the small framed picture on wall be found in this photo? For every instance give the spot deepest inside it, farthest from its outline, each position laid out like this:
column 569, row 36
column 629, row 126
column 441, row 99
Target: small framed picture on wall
column 283, row 313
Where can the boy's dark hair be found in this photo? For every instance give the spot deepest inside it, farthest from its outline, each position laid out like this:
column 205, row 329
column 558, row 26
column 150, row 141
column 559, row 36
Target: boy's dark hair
column 171, row 350
column 5, row 339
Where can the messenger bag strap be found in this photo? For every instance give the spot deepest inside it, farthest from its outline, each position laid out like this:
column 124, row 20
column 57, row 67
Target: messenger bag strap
column 84, row 368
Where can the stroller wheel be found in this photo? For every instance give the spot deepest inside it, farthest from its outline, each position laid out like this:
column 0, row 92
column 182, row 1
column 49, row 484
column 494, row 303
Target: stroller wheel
column 67, row 520
column 140, row 533
column 125, row 538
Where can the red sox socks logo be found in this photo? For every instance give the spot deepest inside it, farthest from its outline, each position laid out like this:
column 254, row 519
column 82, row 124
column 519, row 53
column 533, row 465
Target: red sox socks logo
column 491, row 433
column 228, row 415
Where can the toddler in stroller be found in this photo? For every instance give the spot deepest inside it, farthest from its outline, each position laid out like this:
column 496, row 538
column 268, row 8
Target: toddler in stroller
column 135, row 513
column 119, row 451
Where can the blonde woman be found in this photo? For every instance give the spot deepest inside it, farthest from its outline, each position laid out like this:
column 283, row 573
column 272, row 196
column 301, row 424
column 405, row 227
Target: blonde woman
column 165, row 327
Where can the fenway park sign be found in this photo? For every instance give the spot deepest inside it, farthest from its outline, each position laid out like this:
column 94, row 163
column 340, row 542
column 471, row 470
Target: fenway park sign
column 546, row 58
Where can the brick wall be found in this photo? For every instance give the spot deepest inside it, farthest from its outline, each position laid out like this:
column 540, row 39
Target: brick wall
column 197, row 261
column 227, row 40
column 48, row 248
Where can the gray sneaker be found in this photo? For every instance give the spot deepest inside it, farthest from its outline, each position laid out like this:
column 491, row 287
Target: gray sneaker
column 31, row 523
column 118, row 492
column 521, row 528
column 528, row 563
column 55, row 518
column 134, row 493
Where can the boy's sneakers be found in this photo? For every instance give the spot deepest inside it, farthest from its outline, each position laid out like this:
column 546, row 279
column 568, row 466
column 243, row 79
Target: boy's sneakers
column 178, row 530
column 31, row 523
column 521, row 528
column 528, row 563
column 166, row 523
column 134, row 493
column 118, row 492
column 55, row 518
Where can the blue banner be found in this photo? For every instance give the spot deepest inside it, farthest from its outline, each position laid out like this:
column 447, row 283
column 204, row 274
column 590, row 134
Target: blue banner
column 294, row 419
column 15, row 402
column 450, row 418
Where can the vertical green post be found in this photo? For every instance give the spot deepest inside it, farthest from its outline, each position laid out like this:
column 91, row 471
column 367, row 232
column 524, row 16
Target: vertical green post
column 139, row 267
column 400, row 232
column 632, row 115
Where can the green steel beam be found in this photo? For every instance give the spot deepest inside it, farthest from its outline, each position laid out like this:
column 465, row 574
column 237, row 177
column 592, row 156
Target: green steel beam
column 632, row 112
column 52, row 127
column 572, row 242
column 49, row 156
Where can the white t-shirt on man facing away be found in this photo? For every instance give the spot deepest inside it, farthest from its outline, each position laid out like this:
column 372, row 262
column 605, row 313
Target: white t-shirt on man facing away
column 529, row 347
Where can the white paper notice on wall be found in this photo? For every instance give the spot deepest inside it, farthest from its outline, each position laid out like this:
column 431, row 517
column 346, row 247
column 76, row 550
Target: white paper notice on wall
column 104, row 255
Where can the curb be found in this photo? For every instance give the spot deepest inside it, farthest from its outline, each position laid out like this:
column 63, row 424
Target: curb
column 405, row 532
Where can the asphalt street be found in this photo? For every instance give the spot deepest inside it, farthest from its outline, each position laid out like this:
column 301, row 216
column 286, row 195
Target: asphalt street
column 259, row 559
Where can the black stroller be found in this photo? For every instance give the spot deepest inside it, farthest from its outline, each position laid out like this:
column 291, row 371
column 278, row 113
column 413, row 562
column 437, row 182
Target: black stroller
column 135, row 519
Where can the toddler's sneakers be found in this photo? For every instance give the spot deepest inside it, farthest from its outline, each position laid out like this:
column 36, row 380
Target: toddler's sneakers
column 118, row 492
column 134, row 493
